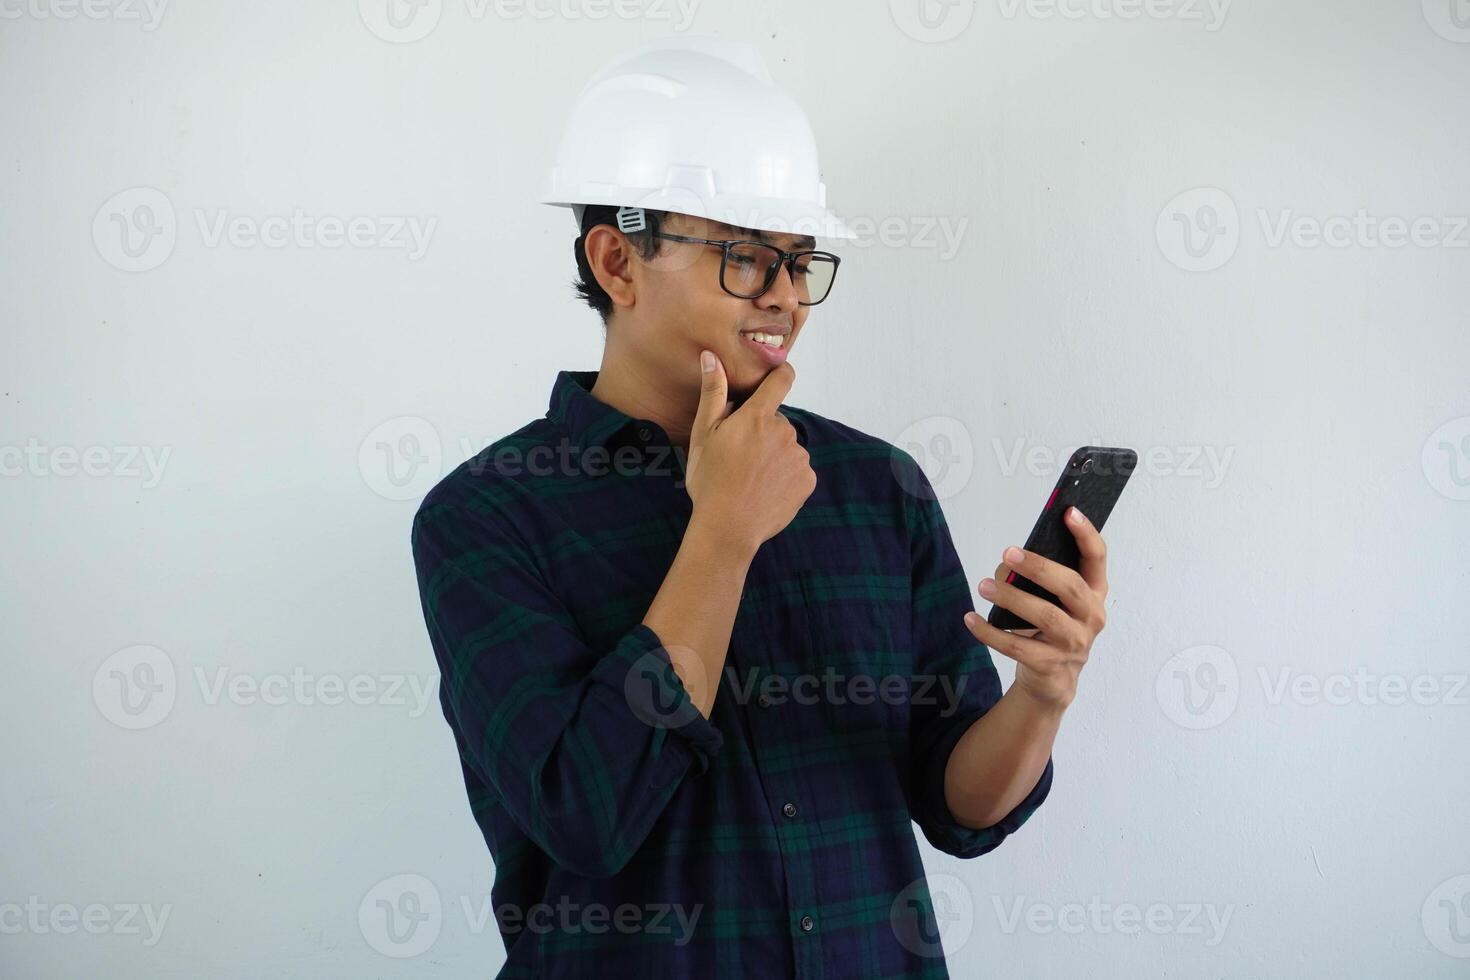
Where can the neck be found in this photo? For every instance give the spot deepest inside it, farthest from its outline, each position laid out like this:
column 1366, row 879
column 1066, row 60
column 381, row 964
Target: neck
column 644, row 392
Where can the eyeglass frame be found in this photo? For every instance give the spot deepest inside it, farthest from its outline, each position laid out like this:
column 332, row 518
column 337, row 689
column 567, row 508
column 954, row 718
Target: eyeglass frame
column 785, row 258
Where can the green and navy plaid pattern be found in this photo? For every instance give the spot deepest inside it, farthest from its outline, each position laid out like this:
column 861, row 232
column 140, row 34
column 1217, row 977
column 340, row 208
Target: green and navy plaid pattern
column 631, row 836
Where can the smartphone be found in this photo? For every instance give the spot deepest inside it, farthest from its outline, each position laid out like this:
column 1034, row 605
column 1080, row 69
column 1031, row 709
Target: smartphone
column 1092, row 482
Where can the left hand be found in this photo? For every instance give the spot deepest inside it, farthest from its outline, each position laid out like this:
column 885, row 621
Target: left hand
column 1050, row 658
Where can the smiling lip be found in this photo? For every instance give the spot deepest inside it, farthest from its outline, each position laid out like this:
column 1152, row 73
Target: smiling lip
column 772, row 356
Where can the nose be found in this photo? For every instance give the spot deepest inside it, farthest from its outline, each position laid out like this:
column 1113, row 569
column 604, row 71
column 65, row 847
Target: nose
column 782, row 295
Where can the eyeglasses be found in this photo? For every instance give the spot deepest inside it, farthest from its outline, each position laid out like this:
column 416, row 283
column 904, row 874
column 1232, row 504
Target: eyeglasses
column 747, row 269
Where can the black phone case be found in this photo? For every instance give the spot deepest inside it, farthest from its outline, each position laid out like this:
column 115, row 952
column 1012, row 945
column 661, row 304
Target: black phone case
column 1092, row 482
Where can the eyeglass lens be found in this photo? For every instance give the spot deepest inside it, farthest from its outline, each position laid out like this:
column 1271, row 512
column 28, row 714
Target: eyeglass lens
column 750, row 268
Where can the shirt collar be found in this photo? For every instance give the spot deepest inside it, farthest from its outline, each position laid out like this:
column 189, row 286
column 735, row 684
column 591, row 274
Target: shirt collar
column 592, row 423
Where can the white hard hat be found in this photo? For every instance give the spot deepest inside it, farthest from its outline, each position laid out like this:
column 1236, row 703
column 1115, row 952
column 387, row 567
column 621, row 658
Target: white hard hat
column 693, row 125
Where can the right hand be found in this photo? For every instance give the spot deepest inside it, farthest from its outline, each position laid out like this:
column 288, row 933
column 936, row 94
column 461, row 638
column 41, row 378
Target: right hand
column 746, row 474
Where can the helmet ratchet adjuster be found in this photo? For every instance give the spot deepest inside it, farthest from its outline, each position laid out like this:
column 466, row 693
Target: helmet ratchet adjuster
column 631, row 220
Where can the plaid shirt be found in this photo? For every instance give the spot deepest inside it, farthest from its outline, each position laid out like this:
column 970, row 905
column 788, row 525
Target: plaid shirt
column 631, row 836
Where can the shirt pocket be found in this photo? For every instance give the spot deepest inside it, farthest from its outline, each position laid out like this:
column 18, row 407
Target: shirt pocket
column 857, row 659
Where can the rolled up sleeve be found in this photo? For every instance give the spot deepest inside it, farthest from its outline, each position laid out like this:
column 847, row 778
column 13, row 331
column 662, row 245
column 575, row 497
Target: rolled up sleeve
column 583, row 747
column 958, row 670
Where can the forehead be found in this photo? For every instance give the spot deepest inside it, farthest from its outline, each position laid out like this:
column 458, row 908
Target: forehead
column 720, row 230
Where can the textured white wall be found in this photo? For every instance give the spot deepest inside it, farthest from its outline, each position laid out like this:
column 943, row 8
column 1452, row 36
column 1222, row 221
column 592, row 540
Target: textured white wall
column 204, row 539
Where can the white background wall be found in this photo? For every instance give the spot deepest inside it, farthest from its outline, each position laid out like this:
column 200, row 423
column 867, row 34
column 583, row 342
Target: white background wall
column 1301, row 411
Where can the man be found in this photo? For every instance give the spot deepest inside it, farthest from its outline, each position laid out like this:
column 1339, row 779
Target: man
column 706, row 656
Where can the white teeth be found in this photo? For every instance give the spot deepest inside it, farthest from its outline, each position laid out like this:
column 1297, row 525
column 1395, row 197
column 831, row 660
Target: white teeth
column 769, row 339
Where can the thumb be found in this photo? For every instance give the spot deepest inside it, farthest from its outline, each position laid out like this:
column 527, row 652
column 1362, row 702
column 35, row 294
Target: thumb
column 713, row 404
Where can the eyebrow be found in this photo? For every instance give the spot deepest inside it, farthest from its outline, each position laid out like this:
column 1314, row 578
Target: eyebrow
column 804, row 242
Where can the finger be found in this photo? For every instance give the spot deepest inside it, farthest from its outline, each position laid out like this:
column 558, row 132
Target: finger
column 1063, row 582
column 1003, row 573
column 714, row 403
column 1044, row 615
column 771, row 391
column 1094, row 565
column 1022, row 649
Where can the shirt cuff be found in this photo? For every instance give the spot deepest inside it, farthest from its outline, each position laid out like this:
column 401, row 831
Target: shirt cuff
column 939, row 825
column 658, row 697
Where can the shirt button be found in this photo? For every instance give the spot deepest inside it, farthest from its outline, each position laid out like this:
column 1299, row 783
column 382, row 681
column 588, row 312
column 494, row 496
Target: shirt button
column 789, row 809
column 644, row 433
column 764, row 701
column 807, row 924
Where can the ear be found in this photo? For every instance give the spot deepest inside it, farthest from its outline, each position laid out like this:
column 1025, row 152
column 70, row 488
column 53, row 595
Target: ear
column 608, row 255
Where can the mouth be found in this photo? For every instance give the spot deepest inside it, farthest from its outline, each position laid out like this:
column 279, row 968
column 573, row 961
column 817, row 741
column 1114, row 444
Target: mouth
column 770, row 344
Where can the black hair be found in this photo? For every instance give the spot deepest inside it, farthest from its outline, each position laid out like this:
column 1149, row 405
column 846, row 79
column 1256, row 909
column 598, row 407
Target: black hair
column 586, row 284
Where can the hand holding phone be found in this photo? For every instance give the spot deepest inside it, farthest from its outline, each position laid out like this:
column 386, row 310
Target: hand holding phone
column 1092, row 481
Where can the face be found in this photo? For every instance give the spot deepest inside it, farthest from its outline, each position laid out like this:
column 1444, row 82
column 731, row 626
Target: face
column 681, row 309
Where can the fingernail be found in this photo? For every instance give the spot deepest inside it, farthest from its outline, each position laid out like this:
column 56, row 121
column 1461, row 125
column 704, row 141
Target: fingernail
column 971, row 618
column 1074, row 515
column 706, row 361
column 987, row 587
column 1013, row 555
